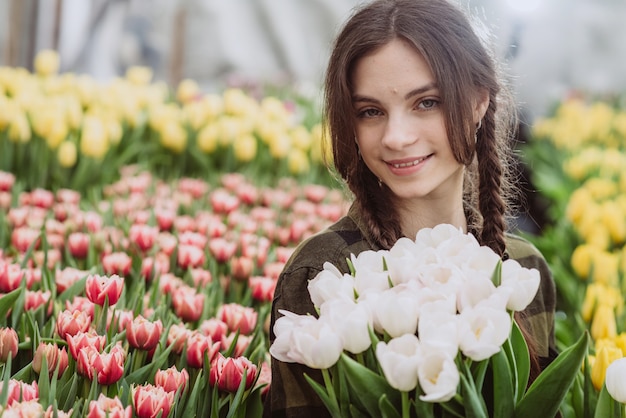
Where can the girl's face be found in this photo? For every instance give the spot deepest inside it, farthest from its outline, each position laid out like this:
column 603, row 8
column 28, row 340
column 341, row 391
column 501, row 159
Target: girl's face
column 400, row 128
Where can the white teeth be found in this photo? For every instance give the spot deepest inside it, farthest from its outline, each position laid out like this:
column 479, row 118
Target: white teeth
column 409, row 164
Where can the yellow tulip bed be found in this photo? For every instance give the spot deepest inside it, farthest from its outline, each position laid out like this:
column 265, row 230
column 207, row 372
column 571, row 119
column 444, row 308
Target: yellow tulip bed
column 578, row 161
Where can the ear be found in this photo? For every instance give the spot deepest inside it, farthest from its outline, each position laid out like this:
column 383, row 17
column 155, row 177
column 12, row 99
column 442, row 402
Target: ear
column 481, row 104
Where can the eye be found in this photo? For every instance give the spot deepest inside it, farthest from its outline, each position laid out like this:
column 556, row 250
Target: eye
column 369, row 112
column 428, row 104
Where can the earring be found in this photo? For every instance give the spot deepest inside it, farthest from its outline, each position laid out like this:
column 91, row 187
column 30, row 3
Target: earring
column 380, row 184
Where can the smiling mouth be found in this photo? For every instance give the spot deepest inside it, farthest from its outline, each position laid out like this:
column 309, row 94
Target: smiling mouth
column 409, row 163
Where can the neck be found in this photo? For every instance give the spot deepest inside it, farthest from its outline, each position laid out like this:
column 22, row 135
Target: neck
column 430, row 214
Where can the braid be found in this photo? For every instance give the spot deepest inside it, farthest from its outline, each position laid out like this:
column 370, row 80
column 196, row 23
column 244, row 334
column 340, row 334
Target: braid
column 490, row 173
column 379, row 218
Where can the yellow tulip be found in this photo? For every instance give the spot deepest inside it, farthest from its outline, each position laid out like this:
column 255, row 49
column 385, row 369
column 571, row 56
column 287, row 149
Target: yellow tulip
column 604, row 356
column 47, row 62
column 213, row 104
column 301, row 138
column 603, row 324
column 229, row 129
column 298, row 162
column 245, row 148
column 582, row 258
column 94, row 141
column 280, row 146
column 274, row 109
column 321, row 149
column 173, row 136
column 620, row 342
column 187, row 91
column 578, row 204
column 67, row 154
column 237, row 103
column 622, row 257
column 19, row 128
column 601, row 188
column 605, row 268
column 139, row 75
column 208, row 138
column 615, row 220
column 589, row 302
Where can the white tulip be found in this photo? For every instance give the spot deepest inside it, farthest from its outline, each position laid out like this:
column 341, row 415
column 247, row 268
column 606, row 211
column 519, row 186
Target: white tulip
column 615, row 380
column 282, row 347
column 402, row 261
column 351, row 321
column 316, row 344
column 330, row 284
column 481, row 262
column 399, row 359
column 442, row 277
column 482, row 331
column 481, row 291
column 438, row 376
column 397, row 310
column 523, row 282
column 370, row 274
column 438, row 330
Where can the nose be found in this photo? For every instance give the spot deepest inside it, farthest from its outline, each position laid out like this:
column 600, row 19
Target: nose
column 399, row 132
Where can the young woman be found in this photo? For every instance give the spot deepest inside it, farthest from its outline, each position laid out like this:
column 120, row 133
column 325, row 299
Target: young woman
column 420, row 129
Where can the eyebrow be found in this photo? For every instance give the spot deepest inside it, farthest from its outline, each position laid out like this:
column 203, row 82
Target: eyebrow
column 415, row 92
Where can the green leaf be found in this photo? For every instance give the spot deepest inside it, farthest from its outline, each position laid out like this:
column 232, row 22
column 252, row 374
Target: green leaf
column 503, row 392
column 472, row 400
column 7, row 301
column 321, row 392
column 367, row 385
column 236, row 403
column 547, row 392
column 519, row 359
column 607, row 407
column 496, row 276
column 387, row 409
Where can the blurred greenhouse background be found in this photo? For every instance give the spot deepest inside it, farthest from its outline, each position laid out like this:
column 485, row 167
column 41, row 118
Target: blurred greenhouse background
column 553, row 47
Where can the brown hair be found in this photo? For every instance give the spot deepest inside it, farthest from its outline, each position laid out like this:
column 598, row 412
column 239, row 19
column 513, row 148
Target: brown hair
column 461, row 65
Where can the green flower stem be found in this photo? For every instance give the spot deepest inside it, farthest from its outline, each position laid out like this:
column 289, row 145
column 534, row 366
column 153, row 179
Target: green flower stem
column 138, row 359
column 406, row 404
column 330, row 389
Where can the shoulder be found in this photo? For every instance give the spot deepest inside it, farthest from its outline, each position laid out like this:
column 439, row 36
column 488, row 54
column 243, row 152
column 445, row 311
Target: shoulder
column 334, row 244
column 525, row 252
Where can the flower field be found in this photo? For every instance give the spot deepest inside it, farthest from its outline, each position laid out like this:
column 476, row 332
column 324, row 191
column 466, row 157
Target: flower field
column 142, row 231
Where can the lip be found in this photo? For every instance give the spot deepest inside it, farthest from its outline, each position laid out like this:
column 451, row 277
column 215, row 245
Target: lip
column 407, row 166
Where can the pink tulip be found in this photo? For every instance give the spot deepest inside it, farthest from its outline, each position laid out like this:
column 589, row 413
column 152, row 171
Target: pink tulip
column 222, row 249
column 80, row 303
column 35, row 299
column 85, row 339
column 22, row 238
column 195, row 187
column 168, row 283
column 143, row 236
column 262, row 288
column 7, row 180
column 242, row 344
column 22, row 392
column 72, row 322
column 214, row 328
column 171, row 379
column 117, row 263
column 223, row 202
column 201, row 277
column 167, row 243
column 177, row 335
column 144, row 334
column 11, row 275
column 227, row 373
column 241, row 268
column 192, row 238
column 165, row 219
column 197, row 346
column 155, row 266
column 150, row 401
column 107, row 368
column 120, row 319
column 265, row 378
column 211, row 225
column 105, row 407
column 184, row 223
column 78, row 244
column 187, row 303
column 65, row 278
column 238, row 317
column 190, row 256
column 55, row 357
column 67, row 196
column 100, row 288
column 92, row 221
column 8, row 344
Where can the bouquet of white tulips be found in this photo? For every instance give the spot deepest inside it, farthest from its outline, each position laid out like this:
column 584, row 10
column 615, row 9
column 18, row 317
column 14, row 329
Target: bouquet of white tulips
column 423, row 324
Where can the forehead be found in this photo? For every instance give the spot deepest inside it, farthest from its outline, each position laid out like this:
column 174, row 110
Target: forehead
column 397, row 65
